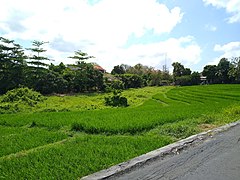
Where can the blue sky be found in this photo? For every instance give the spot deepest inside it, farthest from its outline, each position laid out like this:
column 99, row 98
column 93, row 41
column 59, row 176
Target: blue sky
column 193, row 32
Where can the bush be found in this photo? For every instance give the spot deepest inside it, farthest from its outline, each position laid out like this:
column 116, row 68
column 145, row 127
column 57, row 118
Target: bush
column 9, row 108
column 116, row 100
column 22, row 95
column 117, row 84
column 131, row 80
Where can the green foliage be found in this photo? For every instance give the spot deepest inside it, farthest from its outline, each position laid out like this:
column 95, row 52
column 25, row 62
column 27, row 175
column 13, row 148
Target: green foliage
column 178, row 130
column 12, row 65
column 117, row 84
column 223, row 68
column 234, row 72
column 131, row 81
column 195, row 78
column 80, row 56
column 27, row 138
column 118, row 70
column 36, row 59
column 9, row 108
column 187, row 80
column 179, row 70
column 16, row 70
column 116, row 100
column 77, row 157
column 84, row 78
column 183, row 80
column 22, row 95
column 210, row 71
column 32, row 145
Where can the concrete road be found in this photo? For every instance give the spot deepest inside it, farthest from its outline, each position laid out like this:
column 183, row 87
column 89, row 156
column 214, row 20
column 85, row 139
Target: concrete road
column 217, row 158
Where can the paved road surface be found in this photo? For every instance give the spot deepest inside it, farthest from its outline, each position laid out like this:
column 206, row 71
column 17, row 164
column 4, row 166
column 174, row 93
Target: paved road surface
column 217, row 158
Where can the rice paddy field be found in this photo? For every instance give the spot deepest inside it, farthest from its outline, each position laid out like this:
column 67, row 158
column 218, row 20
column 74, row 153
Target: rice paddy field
column 68, row 137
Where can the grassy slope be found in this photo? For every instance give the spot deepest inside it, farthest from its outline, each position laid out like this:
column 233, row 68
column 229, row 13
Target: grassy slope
column 42, row 145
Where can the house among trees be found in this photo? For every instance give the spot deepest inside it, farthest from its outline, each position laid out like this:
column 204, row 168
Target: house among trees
column 74, row 67
column 97, row 67
column 203, row 79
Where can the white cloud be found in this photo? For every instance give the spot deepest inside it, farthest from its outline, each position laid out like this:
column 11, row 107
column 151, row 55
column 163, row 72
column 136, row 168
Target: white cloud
column 231, row 6
column 228, row 50
column 107, row 22
column 101, row 29
column 183, row 50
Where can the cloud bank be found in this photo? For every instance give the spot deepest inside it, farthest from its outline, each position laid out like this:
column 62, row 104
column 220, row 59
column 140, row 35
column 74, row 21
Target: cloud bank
column 101, row 28
column 231, row 6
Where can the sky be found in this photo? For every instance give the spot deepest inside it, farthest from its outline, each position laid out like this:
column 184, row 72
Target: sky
column 151, row 32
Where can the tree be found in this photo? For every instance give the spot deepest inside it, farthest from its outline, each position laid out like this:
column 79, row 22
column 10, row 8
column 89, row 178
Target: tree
column 223, row 68
column 131, row 80
column 118, row 70
column 181, row 75
column 178, row 68
column 51, row 82
column 210, row 71
column 186, row 72
column 156, row 78
column 12, row 65
column 85, row 77
column 234, row 72
column 37, row 69
column 195, row 78
column 183, row 80
column 36, row 59
column 58, row 68
column 80, row 56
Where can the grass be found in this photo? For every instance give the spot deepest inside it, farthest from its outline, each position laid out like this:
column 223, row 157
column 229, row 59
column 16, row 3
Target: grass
column 53, row 143
column 77, row 156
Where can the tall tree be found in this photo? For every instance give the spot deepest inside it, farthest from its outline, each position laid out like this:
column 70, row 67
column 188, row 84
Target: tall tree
column 118, row 70
column 223, row 68
column 234, row 72
column 80, row 56
column 36, row 70
column 178, row 69
column 210, row 71
column 37, row 59
column 12, row 65
column 86, row 78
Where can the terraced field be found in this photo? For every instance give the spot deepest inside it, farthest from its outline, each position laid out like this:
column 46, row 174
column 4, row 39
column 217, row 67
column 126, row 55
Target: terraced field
column 68, row 145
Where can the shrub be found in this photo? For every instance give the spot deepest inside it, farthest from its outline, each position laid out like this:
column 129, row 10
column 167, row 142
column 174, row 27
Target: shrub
column 23, row 95
column 117, row 84
column 116, row 100
column 9, row 108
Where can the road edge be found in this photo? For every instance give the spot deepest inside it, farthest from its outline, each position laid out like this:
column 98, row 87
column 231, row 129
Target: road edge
column 173, row 148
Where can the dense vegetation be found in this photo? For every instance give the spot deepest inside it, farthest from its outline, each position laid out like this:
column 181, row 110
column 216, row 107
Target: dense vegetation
column 65, row 137
column 70, row 135
column 30, row 68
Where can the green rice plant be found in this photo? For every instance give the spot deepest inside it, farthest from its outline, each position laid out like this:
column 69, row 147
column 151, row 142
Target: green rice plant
column 77, row 157
column 89, row 136
column 22, row 139
column 128, row 120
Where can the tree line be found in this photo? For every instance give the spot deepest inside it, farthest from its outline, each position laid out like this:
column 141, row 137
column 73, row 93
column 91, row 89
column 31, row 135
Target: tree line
column 20, row 70
column 36, row 72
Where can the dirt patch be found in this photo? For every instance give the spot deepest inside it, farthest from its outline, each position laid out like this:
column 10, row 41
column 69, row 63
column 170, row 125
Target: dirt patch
column 206, row 127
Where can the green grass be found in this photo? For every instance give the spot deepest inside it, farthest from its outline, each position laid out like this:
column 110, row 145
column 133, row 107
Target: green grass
column 77, row 157
column 15, row 139
column 72, row 136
